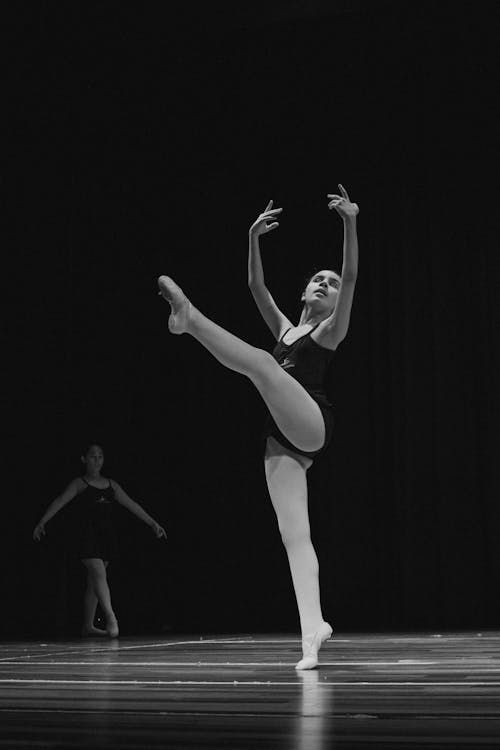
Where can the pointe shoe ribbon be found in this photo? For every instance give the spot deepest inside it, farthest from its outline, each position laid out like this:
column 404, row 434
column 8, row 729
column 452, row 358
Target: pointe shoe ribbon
column 311, row 644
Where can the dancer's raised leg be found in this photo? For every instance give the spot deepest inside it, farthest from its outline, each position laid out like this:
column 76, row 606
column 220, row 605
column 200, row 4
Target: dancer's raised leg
column 295, row 412
column 287, row 484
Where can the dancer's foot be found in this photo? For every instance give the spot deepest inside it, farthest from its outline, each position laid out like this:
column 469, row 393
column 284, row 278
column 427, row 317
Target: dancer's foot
column 311, row 644
column 112, row 626
column 181, row 306
column 91, row 631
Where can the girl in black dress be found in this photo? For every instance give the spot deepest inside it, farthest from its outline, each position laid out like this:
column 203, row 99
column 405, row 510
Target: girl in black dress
column 291, row 384
column 95, row 542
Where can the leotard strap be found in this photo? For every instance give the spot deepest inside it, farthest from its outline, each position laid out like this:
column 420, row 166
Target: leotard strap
column 288, row 329
column 98, row 488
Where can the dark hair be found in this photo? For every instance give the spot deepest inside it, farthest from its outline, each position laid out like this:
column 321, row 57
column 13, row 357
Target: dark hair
column 88, row 446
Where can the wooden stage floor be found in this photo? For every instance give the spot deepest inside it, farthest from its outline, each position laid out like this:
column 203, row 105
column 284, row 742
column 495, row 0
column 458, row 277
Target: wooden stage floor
column 371, row 691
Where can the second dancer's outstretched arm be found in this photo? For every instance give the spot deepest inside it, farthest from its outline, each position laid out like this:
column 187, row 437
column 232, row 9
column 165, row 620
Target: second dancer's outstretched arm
column 134, row 507
column 55, row 506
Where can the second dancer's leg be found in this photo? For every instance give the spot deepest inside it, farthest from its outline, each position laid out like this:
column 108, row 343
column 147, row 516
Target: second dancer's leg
column 97, row 572
column 90, row 602
column 295, row 412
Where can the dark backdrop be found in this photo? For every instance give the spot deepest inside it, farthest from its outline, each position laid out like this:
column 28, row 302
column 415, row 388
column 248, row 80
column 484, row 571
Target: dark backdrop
column 144, row 142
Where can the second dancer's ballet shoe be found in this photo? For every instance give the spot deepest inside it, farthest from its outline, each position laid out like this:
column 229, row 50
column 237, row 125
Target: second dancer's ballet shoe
column 311, row 644
column 93, row 632
column 179, row 317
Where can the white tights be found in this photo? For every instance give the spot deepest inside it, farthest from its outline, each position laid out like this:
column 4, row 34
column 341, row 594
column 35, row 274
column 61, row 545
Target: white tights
column 287, row 484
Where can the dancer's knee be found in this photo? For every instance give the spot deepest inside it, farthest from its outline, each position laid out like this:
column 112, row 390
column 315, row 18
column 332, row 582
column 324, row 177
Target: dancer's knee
column 293, row 536
column 97, row 581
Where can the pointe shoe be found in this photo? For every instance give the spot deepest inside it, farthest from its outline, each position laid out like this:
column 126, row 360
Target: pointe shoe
column 311, row 644
column 93, row 632
column 181, row 306
column 112, row 627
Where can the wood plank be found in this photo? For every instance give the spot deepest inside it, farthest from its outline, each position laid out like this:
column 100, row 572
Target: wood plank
column 372, row 690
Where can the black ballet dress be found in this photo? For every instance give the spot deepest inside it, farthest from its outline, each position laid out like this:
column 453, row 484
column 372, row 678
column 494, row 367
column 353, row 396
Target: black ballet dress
column 94, row 531
column 307, row 362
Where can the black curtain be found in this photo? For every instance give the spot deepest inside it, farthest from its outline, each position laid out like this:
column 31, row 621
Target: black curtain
column 142, row 144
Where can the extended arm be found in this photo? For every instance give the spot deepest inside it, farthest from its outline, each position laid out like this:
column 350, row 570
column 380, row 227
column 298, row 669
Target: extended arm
column 137, row 509
column 334, row 329
column 277, row 322
column 55, row 506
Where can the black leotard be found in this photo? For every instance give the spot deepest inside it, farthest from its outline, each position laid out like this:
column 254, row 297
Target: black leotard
column 307, row 362
column 95, row 534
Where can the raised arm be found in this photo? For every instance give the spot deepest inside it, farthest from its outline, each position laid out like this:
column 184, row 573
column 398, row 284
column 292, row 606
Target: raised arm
column 277, row 322
column 137, row 510
column 334, row 329
column 63, row 499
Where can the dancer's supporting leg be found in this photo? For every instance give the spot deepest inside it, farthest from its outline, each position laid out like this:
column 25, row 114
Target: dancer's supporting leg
column 297, row 414
column 90, row 602
column 97, row 573
column 287, row 483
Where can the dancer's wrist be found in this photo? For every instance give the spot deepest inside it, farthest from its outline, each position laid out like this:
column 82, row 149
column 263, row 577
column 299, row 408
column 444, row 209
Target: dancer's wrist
column 350, row 220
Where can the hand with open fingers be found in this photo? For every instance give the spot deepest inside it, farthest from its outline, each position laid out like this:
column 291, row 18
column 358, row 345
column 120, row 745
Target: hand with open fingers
column 39, row 531
column 159, row 531
column 266, row 221
column 342, row 204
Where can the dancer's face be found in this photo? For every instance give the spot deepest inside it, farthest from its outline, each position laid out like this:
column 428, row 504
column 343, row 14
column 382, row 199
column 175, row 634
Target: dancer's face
column 322, row 291
column 94, row 459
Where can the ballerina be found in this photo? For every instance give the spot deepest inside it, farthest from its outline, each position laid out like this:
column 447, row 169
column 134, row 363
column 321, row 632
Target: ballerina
column 291, row 383
column 94, row 544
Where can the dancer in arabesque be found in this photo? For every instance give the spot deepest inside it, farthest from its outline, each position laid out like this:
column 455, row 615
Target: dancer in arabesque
column 291, row 382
